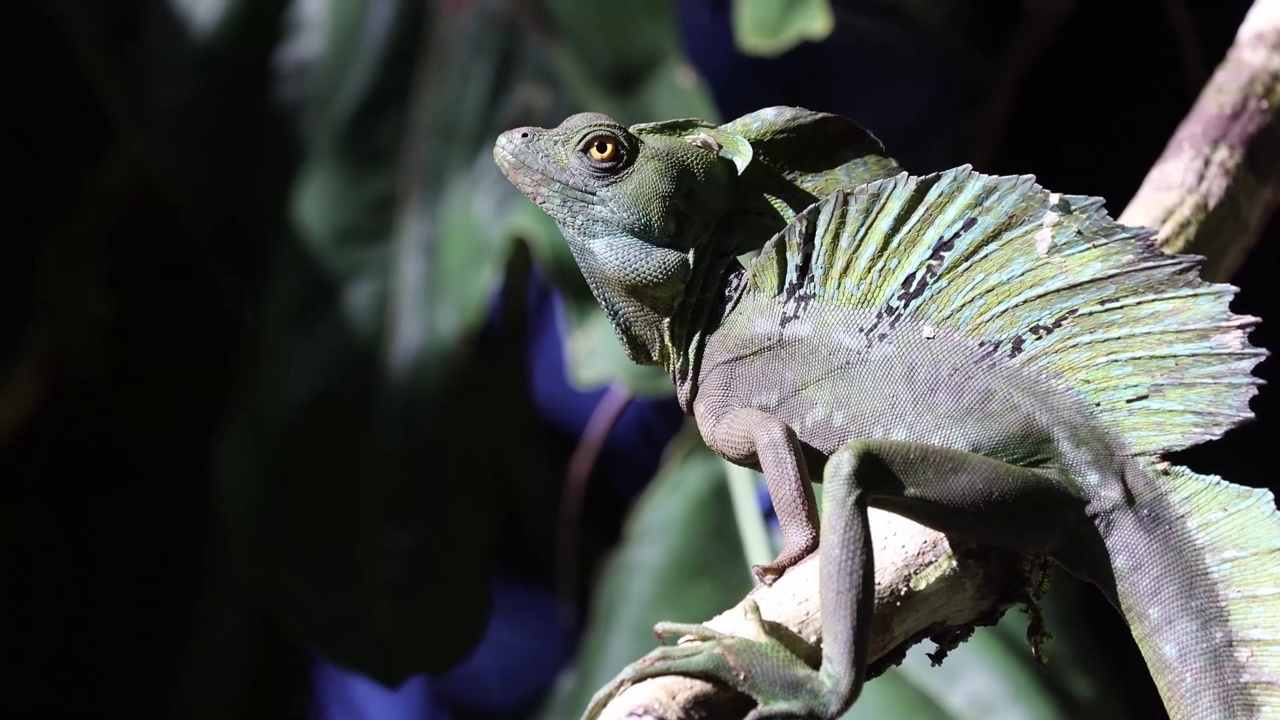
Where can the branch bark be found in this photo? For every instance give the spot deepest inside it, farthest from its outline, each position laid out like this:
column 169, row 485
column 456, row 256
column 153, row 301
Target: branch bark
column 1218, row 180
column 924, row 588
column 1210, row 193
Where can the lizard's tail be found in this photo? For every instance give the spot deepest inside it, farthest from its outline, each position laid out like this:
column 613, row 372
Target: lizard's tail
column 1196, row 565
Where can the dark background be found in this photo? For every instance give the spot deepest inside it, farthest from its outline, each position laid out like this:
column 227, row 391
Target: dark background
column 105, row 430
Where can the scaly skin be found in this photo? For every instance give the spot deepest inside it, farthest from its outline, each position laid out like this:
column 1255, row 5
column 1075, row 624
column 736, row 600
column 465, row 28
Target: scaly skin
column 998, row 362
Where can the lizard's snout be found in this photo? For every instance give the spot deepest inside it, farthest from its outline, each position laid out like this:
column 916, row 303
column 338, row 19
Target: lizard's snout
column 512, row 154
column 517, row 135
column 508, row 144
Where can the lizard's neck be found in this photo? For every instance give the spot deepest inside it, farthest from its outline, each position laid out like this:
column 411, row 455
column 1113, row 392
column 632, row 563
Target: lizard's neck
column 707, row 295
column 671, row 338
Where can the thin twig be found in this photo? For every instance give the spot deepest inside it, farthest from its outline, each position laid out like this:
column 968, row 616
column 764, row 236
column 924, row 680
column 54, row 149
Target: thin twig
column 603, row 418
column 1218, row 180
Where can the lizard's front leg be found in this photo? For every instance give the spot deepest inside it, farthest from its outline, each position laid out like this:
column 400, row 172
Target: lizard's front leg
column 750, row 437
column 957, row 492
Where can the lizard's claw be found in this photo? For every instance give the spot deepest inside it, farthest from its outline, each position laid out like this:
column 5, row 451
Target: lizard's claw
column 792, row 553
column 763, row 667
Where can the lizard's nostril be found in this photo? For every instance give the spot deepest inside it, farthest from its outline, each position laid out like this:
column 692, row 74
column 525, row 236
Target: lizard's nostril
column 524, row 135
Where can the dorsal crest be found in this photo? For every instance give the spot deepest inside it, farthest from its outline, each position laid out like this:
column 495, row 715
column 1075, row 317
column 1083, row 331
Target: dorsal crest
column 1035, row 278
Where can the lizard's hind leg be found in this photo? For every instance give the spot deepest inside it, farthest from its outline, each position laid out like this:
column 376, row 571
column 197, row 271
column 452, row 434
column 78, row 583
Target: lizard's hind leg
column 960, row 493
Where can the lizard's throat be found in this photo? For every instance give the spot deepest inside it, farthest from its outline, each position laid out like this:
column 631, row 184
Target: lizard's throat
column 662, row 331
column 645, row 333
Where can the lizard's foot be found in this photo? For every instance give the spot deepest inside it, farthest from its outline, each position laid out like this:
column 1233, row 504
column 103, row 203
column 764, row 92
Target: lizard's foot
column 793, row 552
column 764, row 668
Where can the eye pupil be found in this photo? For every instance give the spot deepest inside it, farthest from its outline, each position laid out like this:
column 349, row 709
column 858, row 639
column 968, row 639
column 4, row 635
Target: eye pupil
column 602, row 149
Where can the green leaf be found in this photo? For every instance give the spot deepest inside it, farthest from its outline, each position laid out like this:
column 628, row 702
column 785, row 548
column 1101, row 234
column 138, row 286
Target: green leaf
column 596, row 357
column 994, row 674
column 191, row 100
column 337, row 157
column 768, row 28
column 643, row 79
column 894, row 695
column 983, row 679
column 680, row 558
column 359, row 461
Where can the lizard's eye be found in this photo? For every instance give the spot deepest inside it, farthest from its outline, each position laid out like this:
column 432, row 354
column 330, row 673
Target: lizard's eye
column 602, row 149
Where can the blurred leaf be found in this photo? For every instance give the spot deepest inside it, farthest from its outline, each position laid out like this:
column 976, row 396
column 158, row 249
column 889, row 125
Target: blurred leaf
column 994, row 675
column 643, row 79
column 983, row 679
column 595, row 357
column 759, row 544
column 768, row 28
column 894, row 695
column 679, row 559
column 339, row 154
column 1079, row 661
column 186, row 86
column 360, row 460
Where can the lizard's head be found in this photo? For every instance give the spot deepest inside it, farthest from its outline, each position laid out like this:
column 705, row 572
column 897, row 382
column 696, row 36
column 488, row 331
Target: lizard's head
column 641, row 205
column 634, row 204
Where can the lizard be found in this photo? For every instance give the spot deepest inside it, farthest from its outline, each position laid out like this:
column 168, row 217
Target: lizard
column 1002, row 363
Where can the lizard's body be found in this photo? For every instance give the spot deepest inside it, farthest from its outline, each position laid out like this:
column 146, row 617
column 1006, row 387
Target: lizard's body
column 830, row 385
column 863, row 388
column 960, row 349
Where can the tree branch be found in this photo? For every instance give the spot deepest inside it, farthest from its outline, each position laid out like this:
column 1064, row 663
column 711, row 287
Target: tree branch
column 923, row 588
column 1210, row 193
column 1218, row 180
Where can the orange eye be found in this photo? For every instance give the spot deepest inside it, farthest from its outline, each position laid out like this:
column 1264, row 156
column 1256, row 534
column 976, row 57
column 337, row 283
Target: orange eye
column 602, row 149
